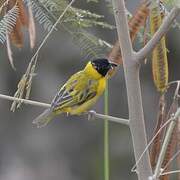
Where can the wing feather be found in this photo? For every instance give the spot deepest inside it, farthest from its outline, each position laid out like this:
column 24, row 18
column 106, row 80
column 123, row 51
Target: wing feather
column 75, row 92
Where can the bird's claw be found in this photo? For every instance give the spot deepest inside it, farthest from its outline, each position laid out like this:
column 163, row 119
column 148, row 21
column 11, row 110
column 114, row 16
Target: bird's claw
column 91, row 115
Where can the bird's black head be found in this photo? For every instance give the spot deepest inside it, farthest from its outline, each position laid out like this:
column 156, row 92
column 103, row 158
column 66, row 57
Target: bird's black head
column 103, row 66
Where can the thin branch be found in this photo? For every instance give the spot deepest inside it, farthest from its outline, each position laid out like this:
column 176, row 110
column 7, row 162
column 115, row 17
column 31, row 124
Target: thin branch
column 25, row 101
column 173, row 82
column 158, row 35
column 170, row 172
column 158, row 169
column 150, row 142
column 167, row 138
column 93, row 115
column 172, row 159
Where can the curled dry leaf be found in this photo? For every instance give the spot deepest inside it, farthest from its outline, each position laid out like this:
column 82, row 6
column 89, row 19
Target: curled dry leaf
column 16, row 36
column 172, row 143
column 154, row 152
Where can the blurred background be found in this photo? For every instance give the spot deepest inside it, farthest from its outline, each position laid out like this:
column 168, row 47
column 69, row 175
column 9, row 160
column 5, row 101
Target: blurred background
column 71, row 148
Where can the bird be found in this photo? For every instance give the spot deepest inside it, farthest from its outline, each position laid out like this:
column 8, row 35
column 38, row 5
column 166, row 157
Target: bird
column 80, row 92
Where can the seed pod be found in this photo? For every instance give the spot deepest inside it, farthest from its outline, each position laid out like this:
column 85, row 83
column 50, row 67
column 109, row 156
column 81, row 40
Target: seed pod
column 159, row 54
column 156, row 145
column 138, row 20
column 16, row 36
column 22, row 13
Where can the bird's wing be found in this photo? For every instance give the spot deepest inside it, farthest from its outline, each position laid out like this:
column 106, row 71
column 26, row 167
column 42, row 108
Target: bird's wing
column 75, row 92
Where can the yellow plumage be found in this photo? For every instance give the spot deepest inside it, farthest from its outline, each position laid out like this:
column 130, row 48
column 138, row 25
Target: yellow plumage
column 79, row 93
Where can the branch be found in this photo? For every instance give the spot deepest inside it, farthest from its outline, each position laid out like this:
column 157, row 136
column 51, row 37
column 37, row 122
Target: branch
column 25, row 101
column 170, row 161
column 136, row 115
column 93, row 114
column 158, row 169
column 158, row 35
column 170, row 172
column 150, row 142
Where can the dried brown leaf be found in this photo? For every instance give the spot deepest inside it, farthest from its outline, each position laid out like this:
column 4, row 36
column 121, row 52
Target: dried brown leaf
column 154, row 153
column 16, row 36
column 22, row 13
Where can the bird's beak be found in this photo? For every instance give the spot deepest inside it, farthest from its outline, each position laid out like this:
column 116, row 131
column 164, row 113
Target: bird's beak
column 113, row 65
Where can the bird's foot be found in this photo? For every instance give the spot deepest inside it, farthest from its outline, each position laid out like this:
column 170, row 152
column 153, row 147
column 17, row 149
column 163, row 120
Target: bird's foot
column 91, row 115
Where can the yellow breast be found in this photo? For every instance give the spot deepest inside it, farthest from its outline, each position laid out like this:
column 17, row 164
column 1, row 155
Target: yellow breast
column 102, row 85
column 88, row 104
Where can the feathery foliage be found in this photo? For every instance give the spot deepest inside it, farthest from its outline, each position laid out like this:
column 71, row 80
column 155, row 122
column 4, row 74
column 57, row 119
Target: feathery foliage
column 8, row 22
column 75, row 22
column 91, row 46
column 38, row 12
column 3, row 3
column 172, row 3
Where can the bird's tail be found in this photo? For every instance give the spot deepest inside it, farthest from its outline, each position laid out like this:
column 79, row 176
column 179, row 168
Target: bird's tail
column 44, row 118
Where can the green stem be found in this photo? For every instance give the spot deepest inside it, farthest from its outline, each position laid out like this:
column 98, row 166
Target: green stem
column 106, row 137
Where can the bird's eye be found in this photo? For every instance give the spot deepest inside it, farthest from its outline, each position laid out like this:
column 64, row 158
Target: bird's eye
column 94, row 65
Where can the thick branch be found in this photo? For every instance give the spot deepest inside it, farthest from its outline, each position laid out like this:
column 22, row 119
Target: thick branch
column 158, row 35
column 136, row 115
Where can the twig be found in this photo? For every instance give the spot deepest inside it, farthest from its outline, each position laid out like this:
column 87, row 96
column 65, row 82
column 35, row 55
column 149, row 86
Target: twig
column 169, row 162
column 173, row 82
column 170, row 172
column 93, row 114
column 163, row 150
column 167, row 138
column 25, row 101
column 150, row 142
column 158, row 35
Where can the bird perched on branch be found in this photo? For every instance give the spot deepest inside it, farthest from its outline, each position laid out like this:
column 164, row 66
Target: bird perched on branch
column 80, row 92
